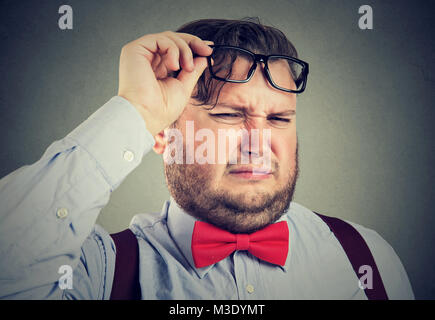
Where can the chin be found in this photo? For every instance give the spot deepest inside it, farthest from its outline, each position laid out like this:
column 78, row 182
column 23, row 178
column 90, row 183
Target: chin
column 250, row 188
column 254, row 197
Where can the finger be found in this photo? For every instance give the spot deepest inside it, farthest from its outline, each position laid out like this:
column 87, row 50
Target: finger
column 186, row 55
column 161, row 45
column 166, row 55
column 189, row 79
column 156, row 62
column 198, row 46
column 161, row 71
column 201, row 47
column 172, row 58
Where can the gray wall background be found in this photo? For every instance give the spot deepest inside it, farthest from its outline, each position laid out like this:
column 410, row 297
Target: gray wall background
column 364, row 123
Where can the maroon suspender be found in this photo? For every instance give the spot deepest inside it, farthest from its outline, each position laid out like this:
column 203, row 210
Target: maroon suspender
column 358, row 254
column 126, row 284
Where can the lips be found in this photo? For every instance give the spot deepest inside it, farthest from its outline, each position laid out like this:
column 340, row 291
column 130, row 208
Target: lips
column 248, row 172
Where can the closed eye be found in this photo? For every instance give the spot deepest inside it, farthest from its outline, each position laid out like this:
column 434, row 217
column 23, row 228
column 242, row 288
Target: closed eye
column 279, row 122
column 233, row 118
column 226, row 115
column 286, row 120
column 230, row 118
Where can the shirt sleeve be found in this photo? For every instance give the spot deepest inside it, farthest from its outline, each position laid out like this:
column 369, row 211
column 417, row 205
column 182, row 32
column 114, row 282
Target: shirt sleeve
column 391, row 269
column 48, row 209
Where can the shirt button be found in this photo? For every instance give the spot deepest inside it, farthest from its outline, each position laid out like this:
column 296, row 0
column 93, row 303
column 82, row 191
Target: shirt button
column 250, row 288
column 128, row 156
column 62, row 213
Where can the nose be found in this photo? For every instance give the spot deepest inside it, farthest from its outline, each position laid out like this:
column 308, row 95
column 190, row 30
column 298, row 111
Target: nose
column 259, row 142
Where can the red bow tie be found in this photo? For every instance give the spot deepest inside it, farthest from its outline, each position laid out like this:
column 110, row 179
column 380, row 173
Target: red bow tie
column 211, row 244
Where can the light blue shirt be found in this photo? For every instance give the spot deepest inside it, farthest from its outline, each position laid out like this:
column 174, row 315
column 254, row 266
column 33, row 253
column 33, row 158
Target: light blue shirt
column 47, row 220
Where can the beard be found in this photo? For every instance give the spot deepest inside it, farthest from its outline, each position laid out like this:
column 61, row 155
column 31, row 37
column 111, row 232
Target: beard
column 189, row 185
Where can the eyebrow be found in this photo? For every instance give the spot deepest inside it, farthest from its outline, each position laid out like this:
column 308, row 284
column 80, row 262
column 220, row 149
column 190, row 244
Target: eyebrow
column 287, row 112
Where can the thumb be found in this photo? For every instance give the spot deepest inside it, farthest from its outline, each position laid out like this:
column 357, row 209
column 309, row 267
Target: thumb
column 189, row 79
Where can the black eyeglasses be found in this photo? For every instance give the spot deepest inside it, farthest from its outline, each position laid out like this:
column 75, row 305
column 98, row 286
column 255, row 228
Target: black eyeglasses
column 283, row 72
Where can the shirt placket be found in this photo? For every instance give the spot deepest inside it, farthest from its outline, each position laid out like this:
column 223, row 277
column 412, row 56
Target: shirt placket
column 245, row 274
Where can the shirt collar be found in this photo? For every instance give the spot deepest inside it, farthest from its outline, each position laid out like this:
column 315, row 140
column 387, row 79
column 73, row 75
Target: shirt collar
column 180, row 226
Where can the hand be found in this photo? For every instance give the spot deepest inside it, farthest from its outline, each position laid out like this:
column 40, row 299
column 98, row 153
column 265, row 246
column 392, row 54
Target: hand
column 143, row 75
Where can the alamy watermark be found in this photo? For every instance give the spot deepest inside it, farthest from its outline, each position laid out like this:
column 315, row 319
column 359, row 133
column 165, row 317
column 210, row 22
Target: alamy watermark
column 366, row 20
column 66, row 280
column 65, row 21
column 229, row 147
column 366, row 280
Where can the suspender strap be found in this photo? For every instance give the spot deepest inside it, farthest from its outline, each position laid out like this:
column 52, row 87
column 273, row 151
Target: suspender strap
column 358, row 254
column 126, row 279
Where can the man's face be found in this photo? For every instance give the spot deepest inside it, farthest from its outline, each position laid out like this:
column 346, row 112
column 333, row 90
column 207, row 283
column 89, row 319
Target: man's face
column 240, row 197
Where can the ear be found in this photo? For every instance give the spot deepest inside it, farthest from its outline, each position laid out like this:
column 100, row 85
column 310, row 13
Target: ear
column 161, row 142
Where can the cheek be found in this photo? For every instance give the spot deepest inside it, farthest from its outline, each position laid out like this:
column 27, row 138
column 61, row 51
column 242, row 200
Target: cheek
column 284, row 148
column 201, row 147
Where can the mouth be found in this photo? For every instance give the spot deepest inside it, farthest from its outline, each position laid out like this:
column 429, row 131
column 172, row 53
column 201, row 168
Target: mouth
column 251, row 173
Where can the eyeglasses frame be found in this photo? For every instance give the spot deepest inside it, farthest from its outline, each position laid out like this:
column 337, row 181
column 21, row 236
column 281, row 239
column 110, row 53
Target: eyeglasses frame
column 264, row 59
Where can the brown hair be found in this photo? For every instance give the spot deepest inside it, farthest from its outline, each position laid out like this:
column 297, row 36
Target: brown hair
column 247, row 33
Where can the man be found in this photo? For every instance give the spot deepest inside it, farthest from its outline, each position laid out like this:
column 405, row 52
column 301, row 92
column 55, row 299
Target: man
column 230, row 229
